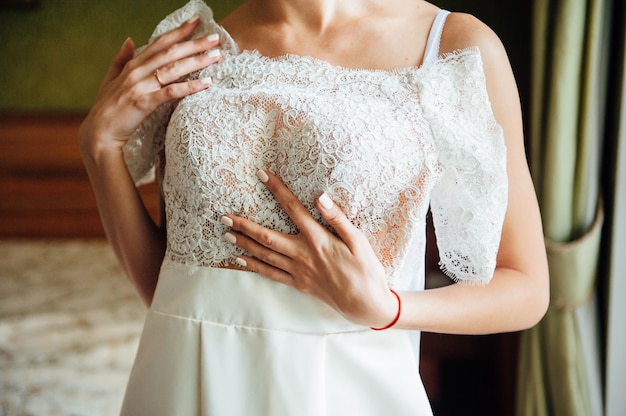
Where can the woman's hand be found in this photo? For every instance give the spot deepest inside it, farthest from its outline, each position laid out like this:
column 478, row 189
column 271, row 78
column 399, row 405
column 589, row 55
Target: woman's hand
column 342, row 271
column 132, row 89
column 135, row 86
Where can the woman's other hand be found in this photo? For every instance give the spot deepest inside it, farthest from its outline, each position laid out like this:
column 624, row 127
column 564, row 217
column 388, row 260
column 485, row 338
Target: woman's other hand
column 135, row 86
column 342, row 270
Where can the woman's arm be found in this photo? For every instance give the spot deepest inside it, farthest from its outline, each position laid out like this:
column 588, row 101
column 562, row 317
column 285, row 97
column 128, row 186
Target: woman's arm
column 518, row 295
column 129, row 93
column 343, row 271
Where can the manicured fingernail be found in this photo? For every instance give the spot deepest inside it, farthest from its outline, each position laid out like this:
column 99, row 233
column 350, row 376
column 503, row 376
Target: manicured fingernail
column 230, row 238
column 226, row 221
column 262, row 175
column 325, row 200
column 206, row 80
column 214, row 53
column 128, row 39
column 213, row 37
column 193, row 19
column 241, row 262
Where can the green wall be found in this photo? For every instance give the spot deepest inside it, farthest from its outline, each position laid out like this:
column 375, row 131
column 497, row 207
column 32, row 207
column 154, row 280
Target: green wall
column 53, row 56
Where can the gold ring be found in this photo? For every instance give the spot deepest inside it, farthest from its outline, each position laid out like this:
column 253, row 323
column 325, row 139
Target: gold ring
column 156, row 76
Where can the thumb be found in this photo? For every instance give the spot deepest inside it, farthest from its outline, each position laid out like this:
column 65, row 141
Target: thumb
column 336, row 218
column 119, row 61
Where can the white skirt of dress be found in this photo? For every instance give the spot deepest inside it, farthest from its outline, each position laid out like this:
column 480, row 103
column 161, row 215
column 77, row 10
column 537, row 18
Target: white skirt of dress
column 224, row 342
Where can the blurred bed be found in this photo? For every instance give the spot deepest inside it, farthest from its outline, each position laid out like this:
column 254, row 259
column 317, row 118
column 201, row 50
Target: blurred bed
column 69, row 327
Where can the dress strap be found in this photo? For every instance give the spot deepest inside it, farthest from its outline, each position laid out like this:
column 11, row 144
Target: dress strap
column 434, row 37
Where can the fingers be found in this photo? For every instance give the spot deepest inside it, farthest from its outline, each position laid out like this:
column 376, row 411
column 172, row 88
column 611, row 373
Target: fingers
column 305, row 222
column 154, row 76
column 173, row 55
column 259, row 241
column 119, row 61
column 264, row 248
column 290, row 204
column 265, row 270
column 174, row 46
column 189, row 62
column 336, row 218
column 167, row 40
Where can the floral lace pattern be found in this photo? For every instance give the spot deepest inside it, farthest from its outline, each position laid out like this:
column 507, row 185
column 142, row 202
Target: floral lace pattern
column 383, row 144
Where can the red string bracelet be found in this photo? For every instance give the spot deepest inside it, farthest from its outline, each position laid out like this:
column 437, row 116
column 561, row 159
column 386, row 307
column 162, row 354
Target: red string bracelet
column 397, row 318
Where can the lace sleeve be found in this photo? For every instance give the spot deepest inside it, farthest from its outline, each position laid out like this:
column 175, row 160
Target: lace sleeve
column 145, row 149
column 469, row 200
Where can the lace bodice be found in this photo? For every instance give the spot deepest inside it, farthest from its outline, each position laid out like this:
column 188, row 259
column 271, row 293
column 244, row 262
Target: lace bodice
column 383, row 144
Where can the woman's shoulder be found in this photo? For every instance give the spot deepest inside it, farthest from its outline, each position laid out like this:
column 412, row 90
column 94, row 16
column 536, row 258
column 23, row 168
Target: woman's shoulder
column 463, row 31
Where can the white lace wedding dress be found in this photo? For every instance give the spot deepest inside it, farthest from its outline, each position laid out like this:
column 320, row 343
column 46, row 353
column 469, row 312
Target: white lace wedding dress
column 385, row 145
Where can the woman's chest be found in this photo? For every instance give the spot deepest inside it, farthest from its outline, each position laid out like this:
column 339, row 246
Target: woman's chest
column 362, row 139
column 348, row 127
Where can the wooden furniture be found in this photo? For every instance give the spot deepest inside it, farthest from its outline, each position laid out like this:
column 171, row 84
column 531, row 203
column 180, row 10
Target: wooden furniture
column 44, row 189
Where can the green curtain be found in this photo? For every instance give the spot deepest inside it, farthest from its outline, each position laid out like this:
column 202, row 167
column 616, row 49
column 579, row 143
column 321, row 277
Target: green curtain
column 615, row 243
column 559, row 366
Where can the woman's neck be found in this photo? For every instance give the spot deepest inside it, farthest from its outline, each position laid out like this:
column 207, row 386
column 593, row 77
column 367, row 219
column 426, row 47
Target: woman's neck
column 380, row 34
column 314, row 16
